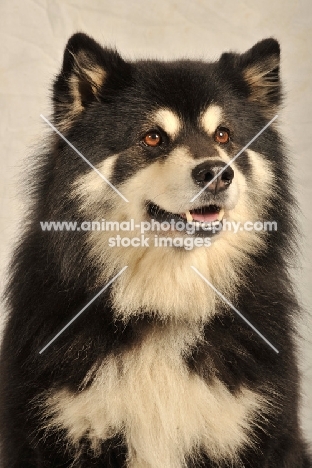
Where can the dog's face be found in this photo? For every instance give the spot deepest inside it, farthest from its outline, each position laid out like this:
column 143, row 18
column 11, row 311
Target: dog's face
column 163, row 134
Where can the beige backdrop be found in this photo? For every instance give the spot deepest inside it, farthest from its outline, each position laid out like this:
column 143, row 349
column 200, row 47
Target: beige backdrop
column 33, row 36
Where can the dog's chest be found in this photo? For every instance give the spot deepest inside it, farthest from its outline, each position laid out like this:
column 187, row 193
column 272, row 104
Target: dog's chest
column 164, row 412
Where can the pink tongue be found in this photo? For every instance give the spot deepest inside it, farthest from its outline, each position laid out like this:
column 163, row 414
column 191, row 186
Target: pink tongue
column 205, row 218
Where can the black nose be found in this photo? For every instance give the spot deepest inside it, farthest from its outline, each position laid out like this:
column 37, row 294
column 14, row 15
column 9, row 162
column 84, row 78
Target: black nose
column 208, row 170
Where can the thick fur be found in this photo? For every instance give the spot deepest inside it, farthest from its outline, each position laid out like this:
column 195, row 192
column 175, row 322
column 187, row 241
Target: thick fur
column 158, row 371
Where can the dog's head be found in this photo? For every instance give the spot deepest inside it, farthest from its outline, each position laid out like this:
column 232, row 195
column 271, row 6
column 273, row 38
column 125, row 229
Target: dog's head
column 163, row 133
column 164, row 136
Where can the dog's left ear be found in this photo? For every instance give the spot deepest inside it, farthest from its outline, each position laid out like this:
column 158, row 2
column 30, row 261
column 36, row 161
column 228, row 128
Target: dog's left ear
column 259, row 68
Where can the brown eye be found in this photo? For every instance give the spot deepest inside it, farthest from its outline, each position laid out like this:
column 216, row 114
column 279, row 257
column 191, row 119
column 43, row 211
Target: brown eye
column 152, row 139
column 222, row 135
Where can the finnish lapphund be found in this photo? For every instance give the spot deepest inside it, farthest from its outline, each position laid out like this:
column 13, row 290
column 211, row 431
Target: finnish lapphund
column 171, row 345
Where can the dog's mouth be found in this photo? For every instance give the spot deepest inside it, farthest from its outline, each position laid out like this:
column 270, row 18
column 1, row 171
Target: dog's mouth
column 207, row 219
column 205, row 214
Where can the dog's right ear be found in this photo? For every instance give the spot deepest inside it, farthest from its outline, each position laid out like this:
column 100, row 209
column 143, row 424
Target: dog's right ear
column 88, row 70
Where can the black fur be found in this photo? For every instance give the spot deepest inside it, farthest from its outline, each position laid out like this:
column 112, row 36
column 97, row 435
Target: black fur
column 52, row 279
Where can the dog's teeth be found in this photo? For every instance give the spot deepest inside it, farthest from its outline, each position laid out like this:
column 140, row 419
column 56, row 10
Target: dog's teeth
column 189, row 217
column 220, row 214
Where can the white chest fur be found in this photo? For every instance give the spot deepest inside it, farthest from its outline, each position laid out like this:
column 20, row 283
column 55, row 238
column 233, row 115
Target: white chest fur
column 165, row 412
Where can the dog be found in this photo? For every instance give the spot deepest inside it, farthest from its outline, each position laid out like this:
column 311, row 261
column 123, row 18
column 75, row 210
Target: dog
column 149, row 334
